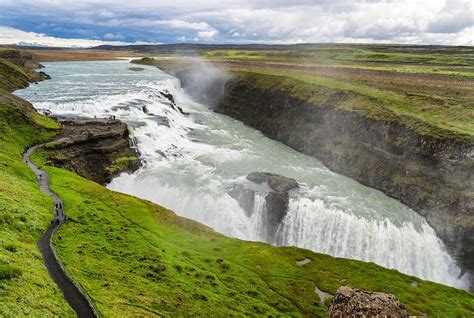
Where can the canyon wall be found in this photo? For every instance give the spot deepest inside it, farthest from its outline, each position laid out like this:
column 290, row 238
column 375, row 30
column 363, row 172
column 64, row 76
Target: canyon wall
column 433, row 176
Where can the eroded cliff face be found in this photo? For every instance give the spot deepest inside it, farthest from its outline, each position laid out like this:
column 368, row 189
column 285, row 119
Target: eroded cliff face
column 433, row 176
column 96, row 149
column 18, row 70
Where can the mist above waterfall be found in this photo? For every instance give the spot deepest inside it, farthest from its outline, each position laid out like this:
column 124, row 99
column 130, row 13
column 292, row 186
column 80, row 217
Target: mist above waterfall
column 203, row 81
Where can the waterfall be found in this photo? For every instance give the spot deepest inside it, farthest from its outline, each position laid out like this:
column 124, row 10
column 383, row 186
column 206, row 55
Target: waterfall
column 191, row 162
column 419, row 252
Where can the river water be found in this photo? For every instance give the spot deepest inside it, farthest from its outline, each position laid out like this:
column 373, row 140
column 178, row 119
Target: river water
column 192, row 161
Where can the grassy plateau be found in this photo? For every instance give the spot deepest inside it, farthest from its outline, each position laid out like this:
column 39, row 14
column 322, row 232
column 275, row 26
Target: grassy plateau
column 427, row 89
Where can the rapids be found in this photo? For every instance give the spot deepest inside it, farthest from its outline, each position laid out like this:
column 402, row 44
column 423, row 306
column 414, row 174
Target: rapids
column 190, row 162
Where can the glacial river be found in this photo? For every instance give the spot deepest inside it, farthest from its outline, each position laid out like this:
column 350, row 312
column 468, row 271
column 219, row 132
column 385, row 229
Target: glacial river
column 191, row 162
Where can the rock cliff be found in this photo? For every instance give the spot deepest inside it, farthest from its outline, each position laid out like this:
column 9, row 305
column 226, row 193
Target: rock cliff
column 276, row 199
column 434, row 176
column 96, row 149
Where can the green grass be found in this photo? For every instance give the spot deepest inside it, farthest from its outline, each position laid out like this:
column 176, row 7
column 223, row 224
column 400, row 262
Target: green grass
column 454, row 121
column 354, row 54
column 25, row 286
column 135, row 258
column 11, row 76
column 122, row 164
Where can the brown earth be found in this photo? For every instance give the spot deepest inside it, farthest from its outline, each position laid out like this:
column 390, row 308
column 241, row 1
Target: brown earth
column 46, row 55
column 422, row 83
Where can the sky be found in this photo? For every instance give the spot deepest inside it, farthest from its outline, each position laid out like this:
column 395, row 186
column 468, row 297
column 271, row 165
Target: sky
column 89, row 23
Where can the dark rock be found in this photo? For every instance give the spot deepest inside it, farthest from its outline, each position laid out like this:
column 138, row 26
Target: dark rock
column 27, row 63
column 276, row 182
column 136, row 69
column 350, row 302
column 168, row 96
column 182, row 111
column 96, row 149
column 276, row 199
column 44, row 75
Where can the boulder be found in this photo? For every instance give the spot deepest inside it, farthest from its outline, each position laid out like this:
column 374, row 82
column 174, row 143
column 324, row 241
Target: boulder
column 276, row 200
column 351, row 302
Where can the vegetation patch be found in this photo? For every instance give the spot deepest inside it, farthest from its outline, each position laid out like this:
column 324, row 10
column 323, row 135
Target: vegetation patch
column 8, row 272
column 123, row 164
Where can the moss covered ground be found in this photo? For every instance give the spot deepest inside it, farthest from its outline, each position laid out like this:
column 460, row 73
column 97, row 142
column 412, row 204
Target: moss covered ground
column 135, row 258
column 25, row 286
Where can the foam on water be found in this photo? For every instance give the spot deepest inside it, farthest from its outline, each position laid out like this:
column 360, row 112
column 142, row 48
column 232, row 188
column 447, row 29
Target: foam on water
column 191, row 162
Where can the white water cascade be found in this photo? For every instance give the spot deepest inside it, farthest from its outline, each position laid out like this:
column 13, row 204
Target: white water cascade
column 191, row 161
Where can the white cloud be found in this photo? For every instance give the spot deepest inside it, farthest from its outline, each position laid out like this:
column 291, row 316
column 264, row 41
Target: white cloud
column 111, row 36
column 455, row 16
column 10, row 35
column 270, row 21
column 208, row 35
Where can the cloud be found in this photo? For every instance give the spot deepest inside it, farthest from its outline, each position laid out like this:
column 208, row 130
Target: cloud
column 110, row 36
column 207, row 34
column 455, row 16
column 246, row 21
column 10, row 35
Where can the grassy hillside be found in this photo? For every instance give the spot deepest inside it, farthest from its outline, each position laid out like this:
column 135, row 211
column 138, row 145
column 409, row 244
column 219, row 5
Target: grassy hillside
column 428, row 89
column 25, row 286
column 135, row 258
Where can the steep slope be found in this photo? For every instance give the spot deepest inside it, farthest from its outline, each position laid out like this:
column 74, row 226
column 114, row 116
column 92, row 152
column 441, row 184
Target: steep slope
column 25, row 287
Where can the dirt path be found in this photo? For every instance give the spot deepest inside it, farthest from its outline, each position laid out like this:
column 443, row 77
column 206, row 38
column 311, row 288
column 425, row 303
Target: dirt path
column 73, row 295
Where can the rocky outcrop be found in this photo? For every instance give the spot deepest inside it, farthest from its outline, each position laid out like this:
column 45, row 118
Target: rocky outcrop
column 276, row 189
column 434, row 176
column 26, row 62
column 96, row 149
column 350, row 302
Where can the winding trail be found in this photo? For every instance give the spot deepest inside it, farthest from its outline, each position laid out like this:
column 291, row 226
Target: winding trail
column 72, row 293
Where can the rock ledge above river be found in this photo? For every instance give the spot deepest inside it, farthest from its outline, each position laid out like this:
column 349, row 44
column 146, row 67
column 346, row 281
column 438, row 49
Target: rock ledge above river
column 276, row 200
column 96, row 149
